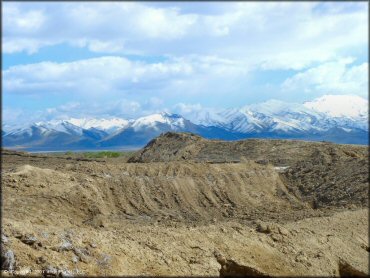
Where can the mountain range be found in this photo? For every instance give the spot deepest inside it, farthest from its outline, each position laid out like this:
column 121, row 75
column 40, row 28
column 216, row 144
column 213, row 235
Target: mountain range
column 339, row 119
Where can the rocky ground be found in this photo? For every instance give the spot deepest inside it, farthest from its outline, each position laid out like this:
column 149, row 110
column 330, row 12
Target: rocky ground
column 189, row 206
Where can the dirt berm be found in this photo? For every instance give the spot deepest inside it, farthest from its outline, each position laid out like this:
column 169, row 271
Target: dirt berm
column 280, row 208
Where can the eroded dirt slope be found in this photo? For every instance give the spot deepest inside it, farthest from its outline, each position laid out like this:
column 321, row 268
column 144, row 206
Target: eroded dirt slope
column 181, row 191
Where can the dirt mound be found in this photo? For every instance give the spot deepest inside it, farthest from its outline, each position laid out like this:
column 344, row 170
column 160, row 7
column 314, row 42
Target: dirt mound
column 189, row 147
column 170, row 146
column 321, row 174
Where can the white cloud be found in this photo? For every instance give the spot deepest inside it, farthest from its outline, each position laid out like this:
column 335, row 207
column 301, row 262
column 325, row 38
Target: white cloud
column 11, row 115
column 296, row 60
column 106, row 76
column 99, row 26
column 206, row 53
column 338, row 77
column 17, row 117
column 22, row 22
column 267, row 34
column 186, row 109
column 198, row 113
column 106, row 46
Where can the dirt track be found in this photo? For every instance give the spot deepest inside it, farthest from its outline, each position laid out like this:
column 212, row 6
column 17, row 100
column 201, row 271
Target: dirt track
column 109, row 217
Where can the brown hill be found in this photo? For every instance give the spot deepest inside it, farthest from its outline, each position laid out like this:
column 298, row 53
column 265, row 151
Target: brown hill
column 172, row 146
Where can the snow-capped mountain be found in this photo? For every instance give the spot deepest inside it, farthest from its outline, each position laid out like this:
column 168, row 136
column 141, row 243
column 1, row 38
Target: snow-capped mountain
column 278, row 116
column 174, row 121
column 272, row 115
column 108, row 125
column 139, row 130
column 282, row 117
column 315, row 120
column 207, row 117
column 46, row 128
column 348, row 106
column 59, row 126
column 53, row 135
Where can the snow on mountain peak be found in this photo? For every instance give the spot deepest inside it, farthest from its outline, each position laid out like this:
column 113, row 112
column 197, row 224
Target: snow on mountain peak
column 340, row 106
column 59, row 125
column 275, row 107
column 173, row 120
column 206, row 117
column 108, row 125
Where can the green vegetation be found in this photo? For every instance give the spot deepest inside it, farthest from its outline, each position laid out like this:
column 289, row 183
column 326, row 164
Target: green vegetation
column 122, row 155
column 103, row 154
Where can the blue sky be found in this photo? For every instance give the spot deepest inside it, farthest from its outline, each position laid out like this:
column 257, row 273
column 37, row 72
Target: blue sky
column 128, row 59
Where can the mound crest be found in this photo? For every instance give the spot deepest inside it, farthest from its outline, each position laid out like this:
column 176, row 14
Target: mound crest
column 170, row 146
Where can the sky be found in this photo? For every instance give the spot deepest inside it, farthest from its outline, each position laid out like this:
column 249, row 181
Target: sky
column 130, row 59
